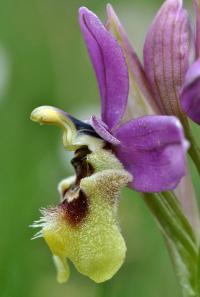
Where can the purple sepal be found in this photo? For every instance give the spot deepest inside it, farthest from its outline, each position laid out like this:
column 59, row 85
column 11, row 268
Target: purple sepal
column 102, row 130
column 190, row 95
column 109, row 65
column 153, row 150
column 166, row 54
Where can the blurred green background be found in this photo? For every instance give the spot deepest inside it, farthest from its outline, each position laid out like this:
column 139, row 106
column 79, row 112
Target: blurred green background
column 43, row 60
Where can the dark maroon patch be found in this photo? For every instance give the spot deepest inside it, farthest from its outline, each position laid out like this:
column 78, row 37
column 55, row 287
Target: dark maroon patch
column 75, row 203
column 76, row 210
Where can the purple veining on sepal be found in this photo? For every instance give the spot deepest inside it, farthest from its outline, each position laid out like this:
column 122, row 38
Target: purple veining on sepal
column 109, row 64
column 166, row 54
column 190, row 94
column 153, row 150
column 103, row 131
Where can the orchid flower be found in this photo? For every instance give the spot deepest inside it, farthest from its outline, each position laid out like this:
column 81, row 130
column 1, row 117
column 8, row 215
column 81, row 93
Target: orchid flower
column 168, row 49
column 190, row 99
column 166, row 55
column 151, row 148
column 144, row 149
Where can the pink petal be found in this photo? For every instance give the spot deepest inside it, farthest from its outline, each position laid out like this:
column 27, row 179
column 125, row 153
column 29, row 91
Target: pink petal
column 102, row 131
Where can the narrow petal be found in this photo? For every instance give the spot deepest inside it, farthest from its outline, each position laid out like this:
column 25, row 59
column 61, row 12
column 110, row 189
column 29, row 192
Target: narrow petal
column 166, row 54
column 197, row 28
column 102, row 131
column 190, row 95
column 153, row 150
column 109, row 64
column 141, row 101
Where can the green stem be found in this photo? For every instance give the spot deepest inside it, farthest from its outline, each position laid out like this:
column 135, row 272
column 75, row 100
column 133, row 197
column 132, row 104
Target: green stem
column 180, row 239
column 175, row 207
column 194, row 150
column 168, row 221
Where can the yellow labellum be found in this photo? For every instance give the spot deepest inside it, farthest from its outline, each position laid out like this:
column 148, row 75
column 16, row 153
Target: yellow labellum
column 95, row 244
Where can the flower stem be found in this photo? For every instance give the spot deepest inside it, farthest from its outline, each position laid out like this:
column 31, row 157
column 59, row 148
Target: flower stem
column 173, row 203
column 169, row 221
column 194, row 150
column 180, row 239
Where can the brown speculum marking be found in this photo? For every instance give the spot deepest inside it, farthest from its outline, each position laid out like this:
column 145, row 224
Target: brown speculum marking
column 76, row 210
column 75, row 203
